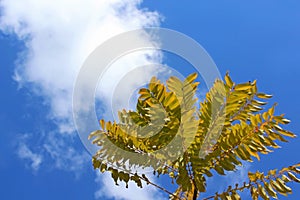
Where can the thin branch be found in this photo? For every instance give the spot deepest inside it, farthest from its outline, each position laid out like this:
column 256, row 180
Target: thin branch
column 256, row 182
column 159, row 187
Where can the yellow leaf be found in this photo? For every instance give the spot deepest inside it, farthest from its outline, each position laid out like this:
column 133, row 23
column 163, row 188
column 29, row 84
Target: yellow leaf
column 262, row 192
column 287, row 133
column 263, row 96
column 228, row 80
column 191, row 78
column 242, row 87
column 293, row 177
column 270, row 190
column 283, row 186
column 102, row 123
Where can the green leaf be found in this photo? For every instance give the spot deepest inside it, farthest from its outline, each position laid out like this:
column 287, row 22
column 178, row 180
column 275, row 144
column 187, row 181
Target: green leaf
column 219, row 169
column 227, row 165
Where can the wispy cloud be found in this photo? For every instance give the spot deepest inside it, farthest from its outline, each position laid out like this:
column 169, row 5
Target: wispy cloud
column 52, row 151
column 64, row 155
column 34, row 159
column 220, row 183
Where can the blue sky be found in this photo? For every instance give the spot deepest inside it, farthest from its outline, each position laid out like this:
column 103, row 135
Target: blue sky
column 40, row 154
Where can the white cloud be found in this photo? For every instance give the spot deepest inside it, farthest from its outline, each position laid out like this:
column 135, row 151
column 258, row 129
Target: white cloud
column 58, row 36
column 25, row 153
column 122, row 193
column 240, row 175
